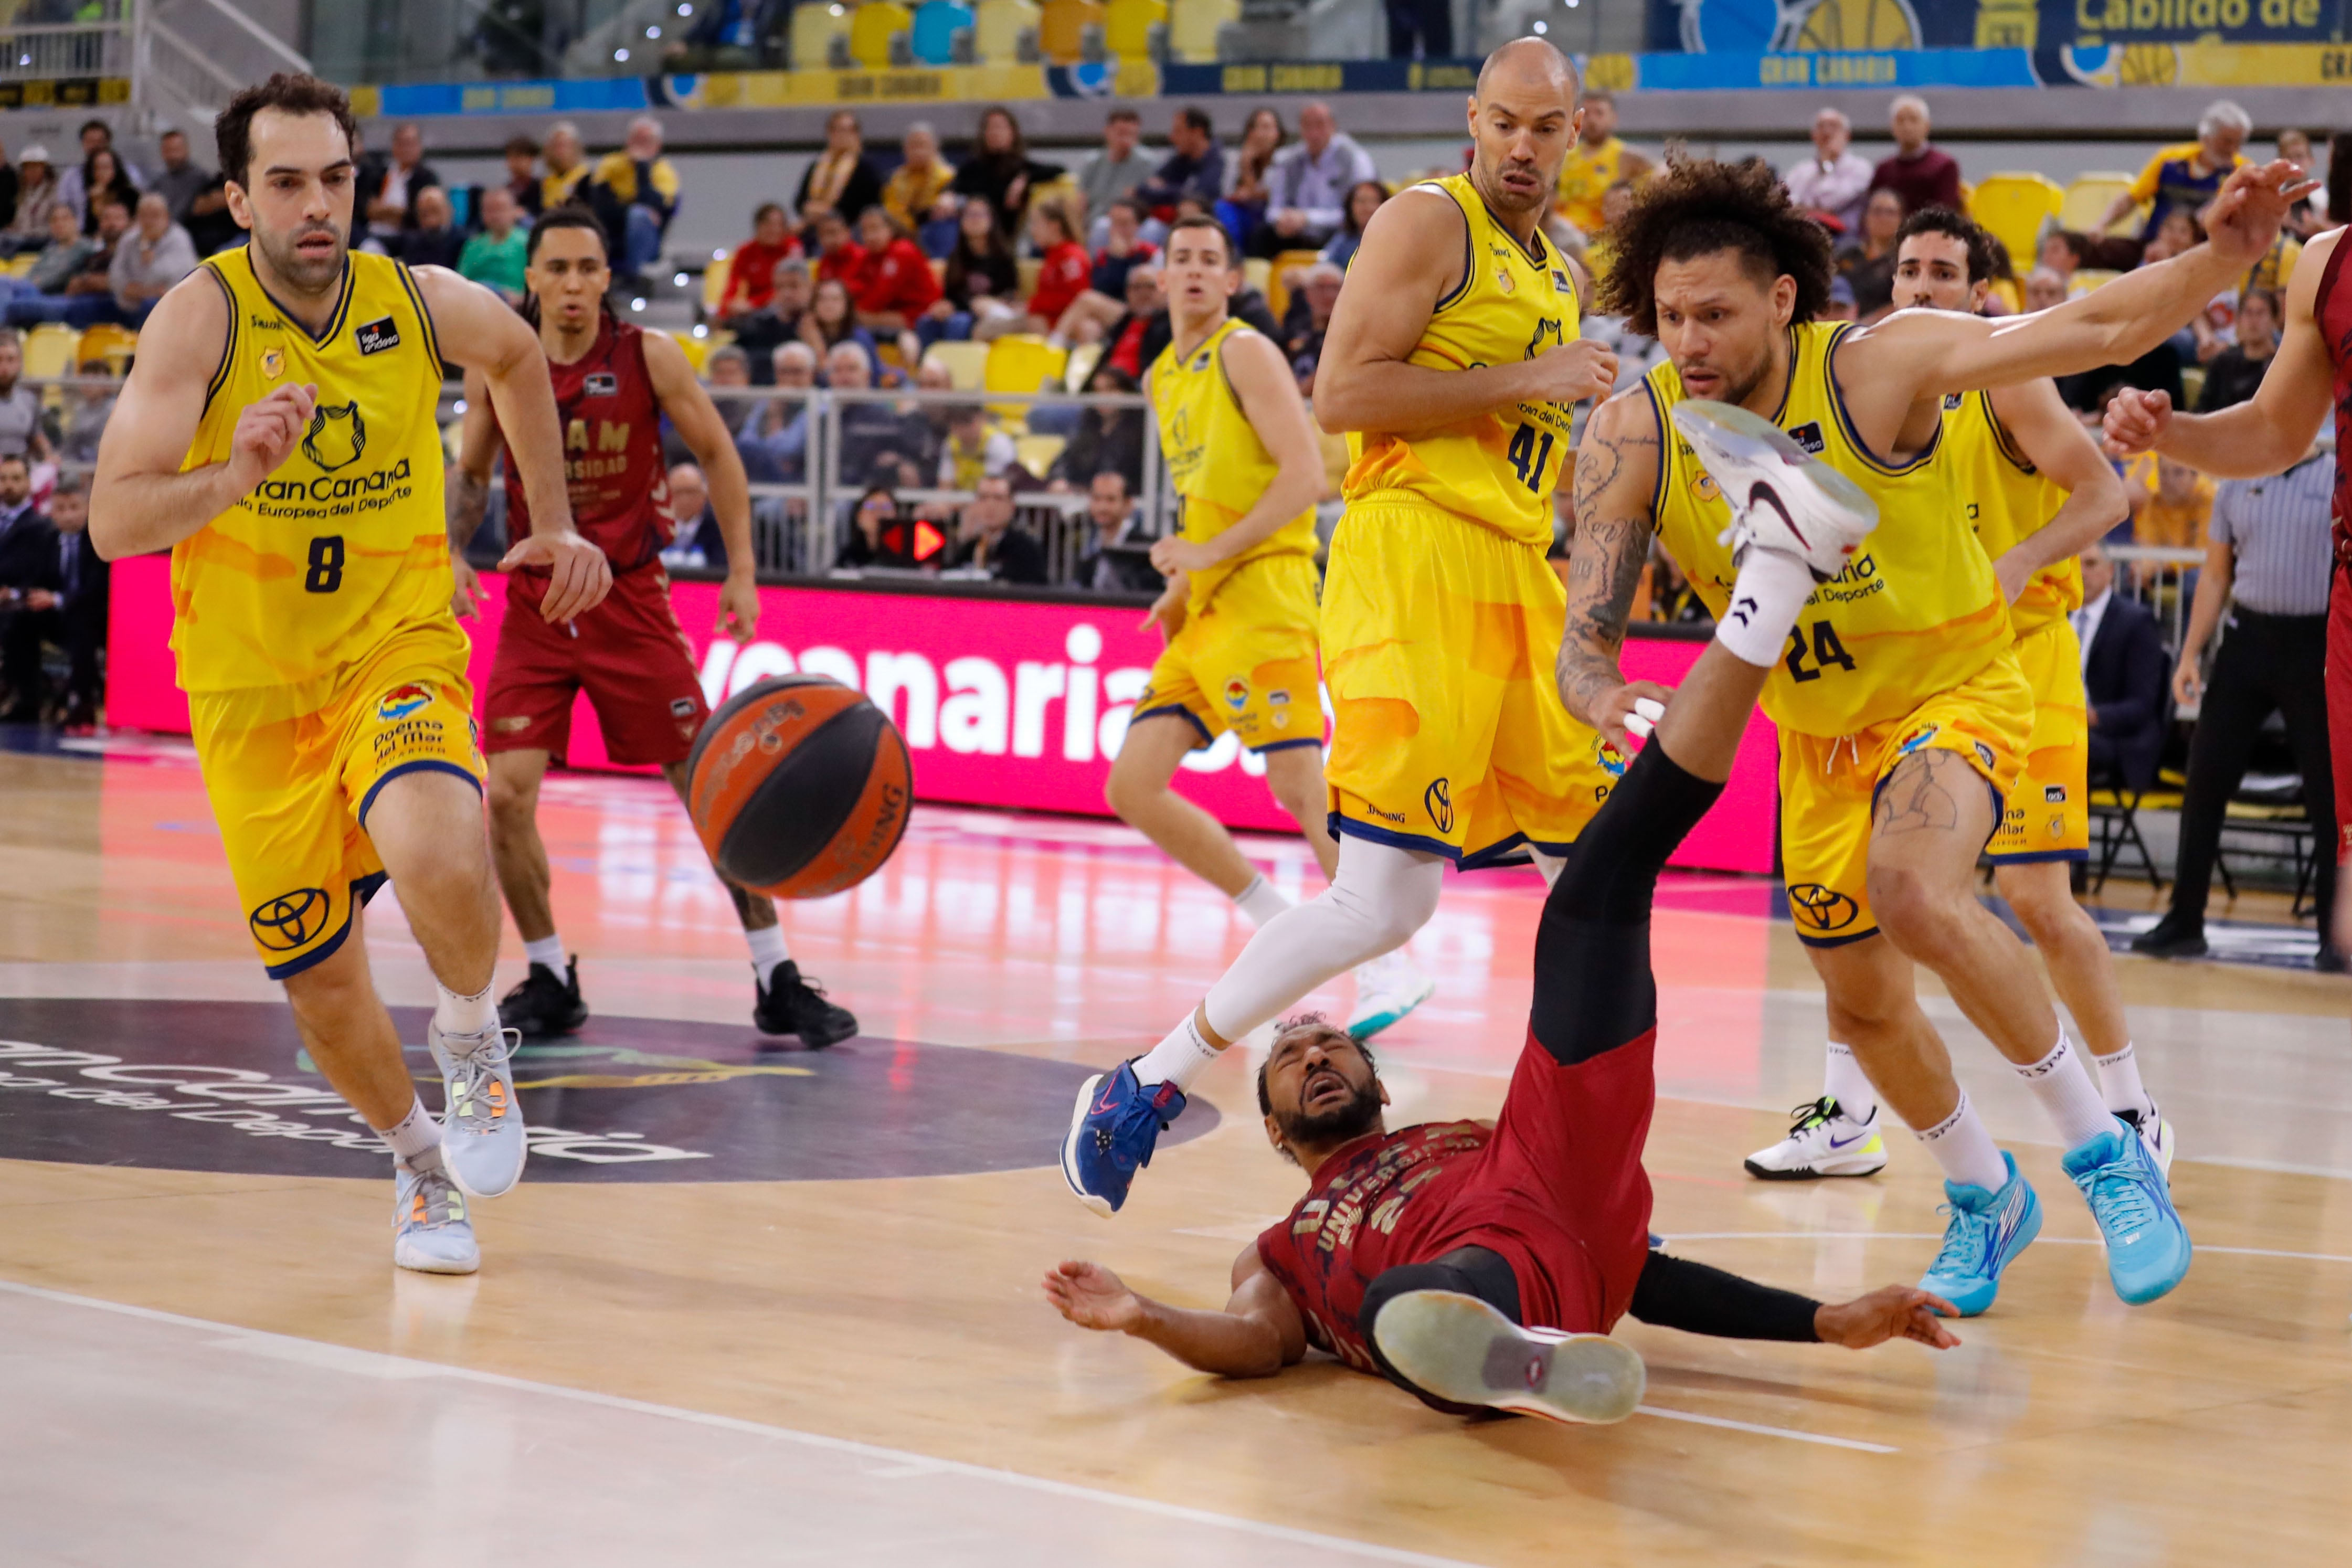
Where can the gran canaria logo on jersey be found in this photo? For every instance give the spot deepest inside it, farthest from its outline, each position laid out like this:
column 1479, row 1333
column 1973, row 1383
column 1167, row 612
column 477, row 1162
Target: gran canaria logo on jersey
column 337, row 435
column 336, row 439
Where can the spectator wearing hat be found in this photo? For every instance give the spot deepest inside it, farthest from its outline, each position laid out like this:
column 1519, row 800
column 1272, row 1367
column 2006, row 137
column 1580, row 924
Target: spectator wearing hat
column 37, row 192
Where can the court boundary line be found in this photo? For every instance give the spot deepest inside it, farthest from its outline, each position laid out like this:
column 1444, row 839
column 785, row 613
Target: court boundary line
column 1728, row 1424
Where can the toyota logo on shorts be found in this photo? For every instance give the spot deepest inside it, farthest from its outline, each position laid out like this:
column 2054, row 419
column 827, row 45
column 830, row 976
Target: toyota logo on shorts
column 287, row 922
column 1821, row 908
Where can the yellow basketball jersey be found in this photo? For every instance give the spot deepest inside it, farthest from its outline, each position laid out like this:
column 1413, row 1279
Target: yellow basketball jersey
column 1514, row 302
column 345, row 545
column 1215, row 460
column 1585, row 176
column 1916, row 612
column 2007, row 498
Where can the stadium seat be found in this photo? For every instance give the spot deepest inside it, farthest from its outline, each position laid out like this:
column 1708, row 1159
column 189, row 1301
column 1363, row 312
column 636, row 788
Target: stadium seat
column 1021, row 362
column 2087, row 198
column 1277, row 298
column 2089, row 278
column 1128, row 24
column 1193, row 26
column 2006, row 291
column 20, row 265
column 49, row 351
column 967, row 363
column 1061, row 29
column 697, row 350
column 932, row 38
column 1026, row 269
column 1257, row 273
column 714, row 281
column 1037, row 453
column 2015, row 207
column 815, row 26
column 999, row 28
column 1083, row 359
column 113, row 345
column 872, row 26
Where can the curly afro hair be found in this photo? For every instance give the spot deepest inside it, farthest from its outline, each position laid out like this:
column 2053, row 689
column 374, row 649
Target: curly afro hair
column 1698, row 208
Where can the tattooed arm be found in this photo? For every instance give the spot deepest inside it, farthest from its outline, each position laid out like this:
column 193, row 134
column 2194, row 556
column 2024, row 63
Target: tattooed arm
column 1616, row 476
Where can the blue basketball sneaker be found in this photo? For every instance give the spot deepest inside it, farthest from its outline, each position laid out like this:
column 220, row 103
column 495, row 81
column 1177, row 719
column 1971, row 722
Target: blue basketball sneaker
column 2147, row 1247
column 1985, row 1234
column 1112, row 1132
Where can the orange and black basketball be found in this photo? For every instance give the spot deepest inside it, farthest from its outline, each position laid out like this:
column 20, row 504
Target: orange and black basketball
column 799, row 787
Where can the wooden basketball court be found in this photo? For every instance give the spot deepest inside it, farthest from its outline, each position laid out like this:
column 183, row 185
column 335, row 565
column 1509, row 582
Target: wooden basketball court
column 763, row 1305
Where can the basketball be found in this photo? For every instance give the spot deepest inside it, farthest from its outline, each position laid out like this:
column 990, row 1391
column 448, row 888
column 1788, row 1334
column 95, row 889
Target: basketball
column 799, row 787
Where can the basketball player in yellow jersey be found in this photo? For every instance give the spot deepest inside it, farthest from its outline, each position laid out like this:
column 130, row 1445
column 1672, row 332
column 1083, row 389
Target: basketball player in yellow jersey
column 1904, row 715
column 1598, row 161
column 1453, row 360
column 2039, row 492
column 278, row 435
column 1239, row 612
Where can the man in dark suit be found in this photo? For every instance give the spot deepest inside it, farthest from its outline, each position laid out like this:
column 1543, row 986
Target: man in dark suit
column 2123, row 667
column 84, row 588
column 28, row 592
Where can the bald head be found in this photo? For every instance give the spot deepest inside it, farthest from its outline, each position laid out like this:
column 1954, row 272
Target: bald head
column 1528, row 64
column 1523, row 118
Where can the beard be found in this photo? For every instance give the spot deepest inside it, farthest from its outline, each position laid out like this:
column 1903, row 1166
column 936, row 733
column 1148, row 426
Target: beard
column 300, row 272
column 1340, row 1124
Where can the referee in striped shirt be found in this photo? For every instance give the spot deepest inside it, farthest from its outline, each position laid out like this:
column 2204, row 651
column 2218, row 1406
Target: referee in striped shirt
column 2268, row 562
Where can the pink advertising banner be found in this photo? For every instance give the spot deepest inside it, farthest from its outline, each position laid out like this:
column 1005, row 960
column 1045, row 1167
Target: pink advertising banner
column 1003, row 702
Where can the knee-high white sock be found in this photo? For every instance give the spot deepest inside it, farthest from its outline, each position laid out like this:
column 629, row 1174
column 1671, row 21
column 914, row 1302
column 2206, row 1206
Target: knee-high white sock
column 1964, row 1151
column 547, row 950
column 2066, row 1092
column 1178, row 1059
column 1764, row 599
column 768, row 950
column 1260, row 901
column 416, row 1140
column 1845, row 1082
column 464, row 1015
column 1379, row 897
column 2119, row 1085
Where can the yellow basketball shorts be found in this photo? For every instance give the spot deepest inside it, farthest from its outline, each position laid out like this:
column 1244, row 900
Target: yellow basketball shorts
column 1245, row 660
column 1830, row 784
column 292, row 770
column 1439, row 641
column 2049, row 815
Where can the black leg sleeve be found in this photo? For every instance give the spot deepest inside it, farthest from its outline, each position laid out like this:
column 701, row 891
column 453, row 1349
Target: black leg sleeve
column 1593, row 988
column 1465, row 1271
column 1675, row 1293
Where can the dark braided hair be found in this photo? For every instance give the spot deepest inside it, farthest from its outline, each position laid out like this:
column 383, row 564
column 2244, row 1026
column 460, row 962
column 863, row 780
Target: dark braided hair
column 1698, row 208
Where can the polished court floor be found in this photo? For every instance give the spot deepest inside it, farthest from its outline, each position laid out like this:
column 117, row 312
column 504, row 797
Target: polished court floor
column 755, row 1305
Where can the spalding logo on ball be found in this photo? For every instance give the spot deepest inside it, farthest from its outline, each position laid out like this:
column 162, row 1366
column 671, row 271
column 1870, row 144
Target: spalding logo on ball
column 799, row 787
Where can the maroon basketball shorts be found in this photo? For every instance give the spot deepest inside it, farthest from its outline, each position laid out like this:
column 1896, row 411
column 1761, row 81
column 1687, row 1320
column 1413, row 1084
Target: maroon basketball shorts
column 2339, row 701
column 628, row 654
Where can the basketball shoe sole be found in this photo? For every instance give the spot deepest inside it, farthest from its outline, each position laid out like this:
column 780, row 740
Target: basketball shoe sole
column 1781, row 497
column 1462, row 1351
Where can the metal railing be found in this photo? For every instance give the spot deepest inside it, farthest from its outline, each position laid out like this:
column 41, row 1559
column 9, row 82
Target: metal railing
column 2162, row 578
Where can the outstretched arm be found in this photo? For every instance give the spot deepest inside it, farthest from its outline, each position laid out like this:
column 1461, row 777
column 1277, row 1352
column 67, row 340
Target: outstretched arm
column 1617, row 468
column 703, row 430
column 1676, row 1293
column 1257, row 1334
column 2268, row 431
column 1410, row 259
column 2054, row 442
column 1270, row 401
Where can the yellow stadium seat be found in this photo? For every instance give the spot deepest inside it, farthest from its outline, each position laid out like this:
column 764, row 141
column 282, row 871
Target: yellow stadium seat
column 997, row 27
column 1277, row 297
column 1021, row 362
column 815, row 26
column 697, row 350
column 1025, row 271
column 1061, row 28
column 1037, row 453
column 871, row 28
column 1128, row 24
column 967, row 363
column 2089, row 278
column 20, row 265
column 1192, row 28
column 2086, row 200
column 49, row 351
column 2015, row 207
column 1257, row 273
column 113, row 345
column 1083, row 359
column 714, row 281
column 2006, row 291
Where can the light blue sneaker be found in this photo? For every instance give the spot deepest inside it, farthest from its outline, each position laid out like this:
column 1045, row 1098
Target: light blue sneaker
column 482, row 1137
column 430, row 1232
column 2147, row 1247
column 1387, row 989
column 1985, row 1234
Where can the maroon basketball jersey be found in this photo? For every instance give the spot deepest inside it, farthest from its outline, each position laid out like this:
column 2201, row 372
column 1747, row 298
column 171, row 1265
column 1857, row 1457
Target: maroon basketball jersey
column 613, row 467
column 1374, row 1205
column 2332, row 311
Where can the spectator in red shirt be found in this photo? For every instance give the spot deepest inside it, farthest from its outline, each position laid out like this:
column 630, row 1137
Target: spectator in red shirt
column 751, row 271
column 1062, row 273
column 838, row 257
column 894, row 286
column 1105, row 297
column 1924, row 176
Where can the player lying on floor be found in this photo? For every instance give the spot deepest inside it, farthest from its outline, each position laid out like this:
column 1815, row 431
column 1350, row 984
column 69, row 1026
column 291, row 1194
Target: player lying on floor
column 1483, row 1267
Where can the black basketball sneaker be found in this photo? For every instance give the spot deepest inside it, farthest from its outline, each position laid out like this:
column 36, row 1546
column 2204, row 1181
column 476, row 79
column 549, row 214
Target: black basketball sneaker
column 791, row 1006
column 545, row 1004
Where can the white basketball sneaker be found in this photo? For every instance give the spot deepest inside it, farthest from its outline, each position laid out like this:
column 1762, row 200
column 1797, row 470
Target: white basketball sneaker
column 1465, row 1352
column 1782, row 498
column 1387, row 988
column 2155, row 1134
column 430, row 1232
column 1823, row 1141
column 481, row 1125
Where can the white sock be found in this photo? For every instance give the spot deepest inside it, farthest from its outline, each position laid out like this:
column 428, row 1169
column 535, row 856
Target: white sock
column 416, row 1136
column 465, row 1014
column 2119, row 1084
column 1845, row 1082
column 1178, row 1059
column 768, row 950
column 1260, row 900
column 548, row 950
column 1764, row 599
column 1380, row 897
column 2066, row 1092
column 1964, row 1151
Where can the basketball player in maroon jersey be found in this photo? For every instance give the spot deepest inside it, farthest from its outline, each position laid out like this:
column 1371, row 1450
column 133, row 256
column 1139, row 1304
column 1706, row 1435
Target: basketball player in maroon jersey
column 1482, row 1267
column 614, row 384
column 2311, row 373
